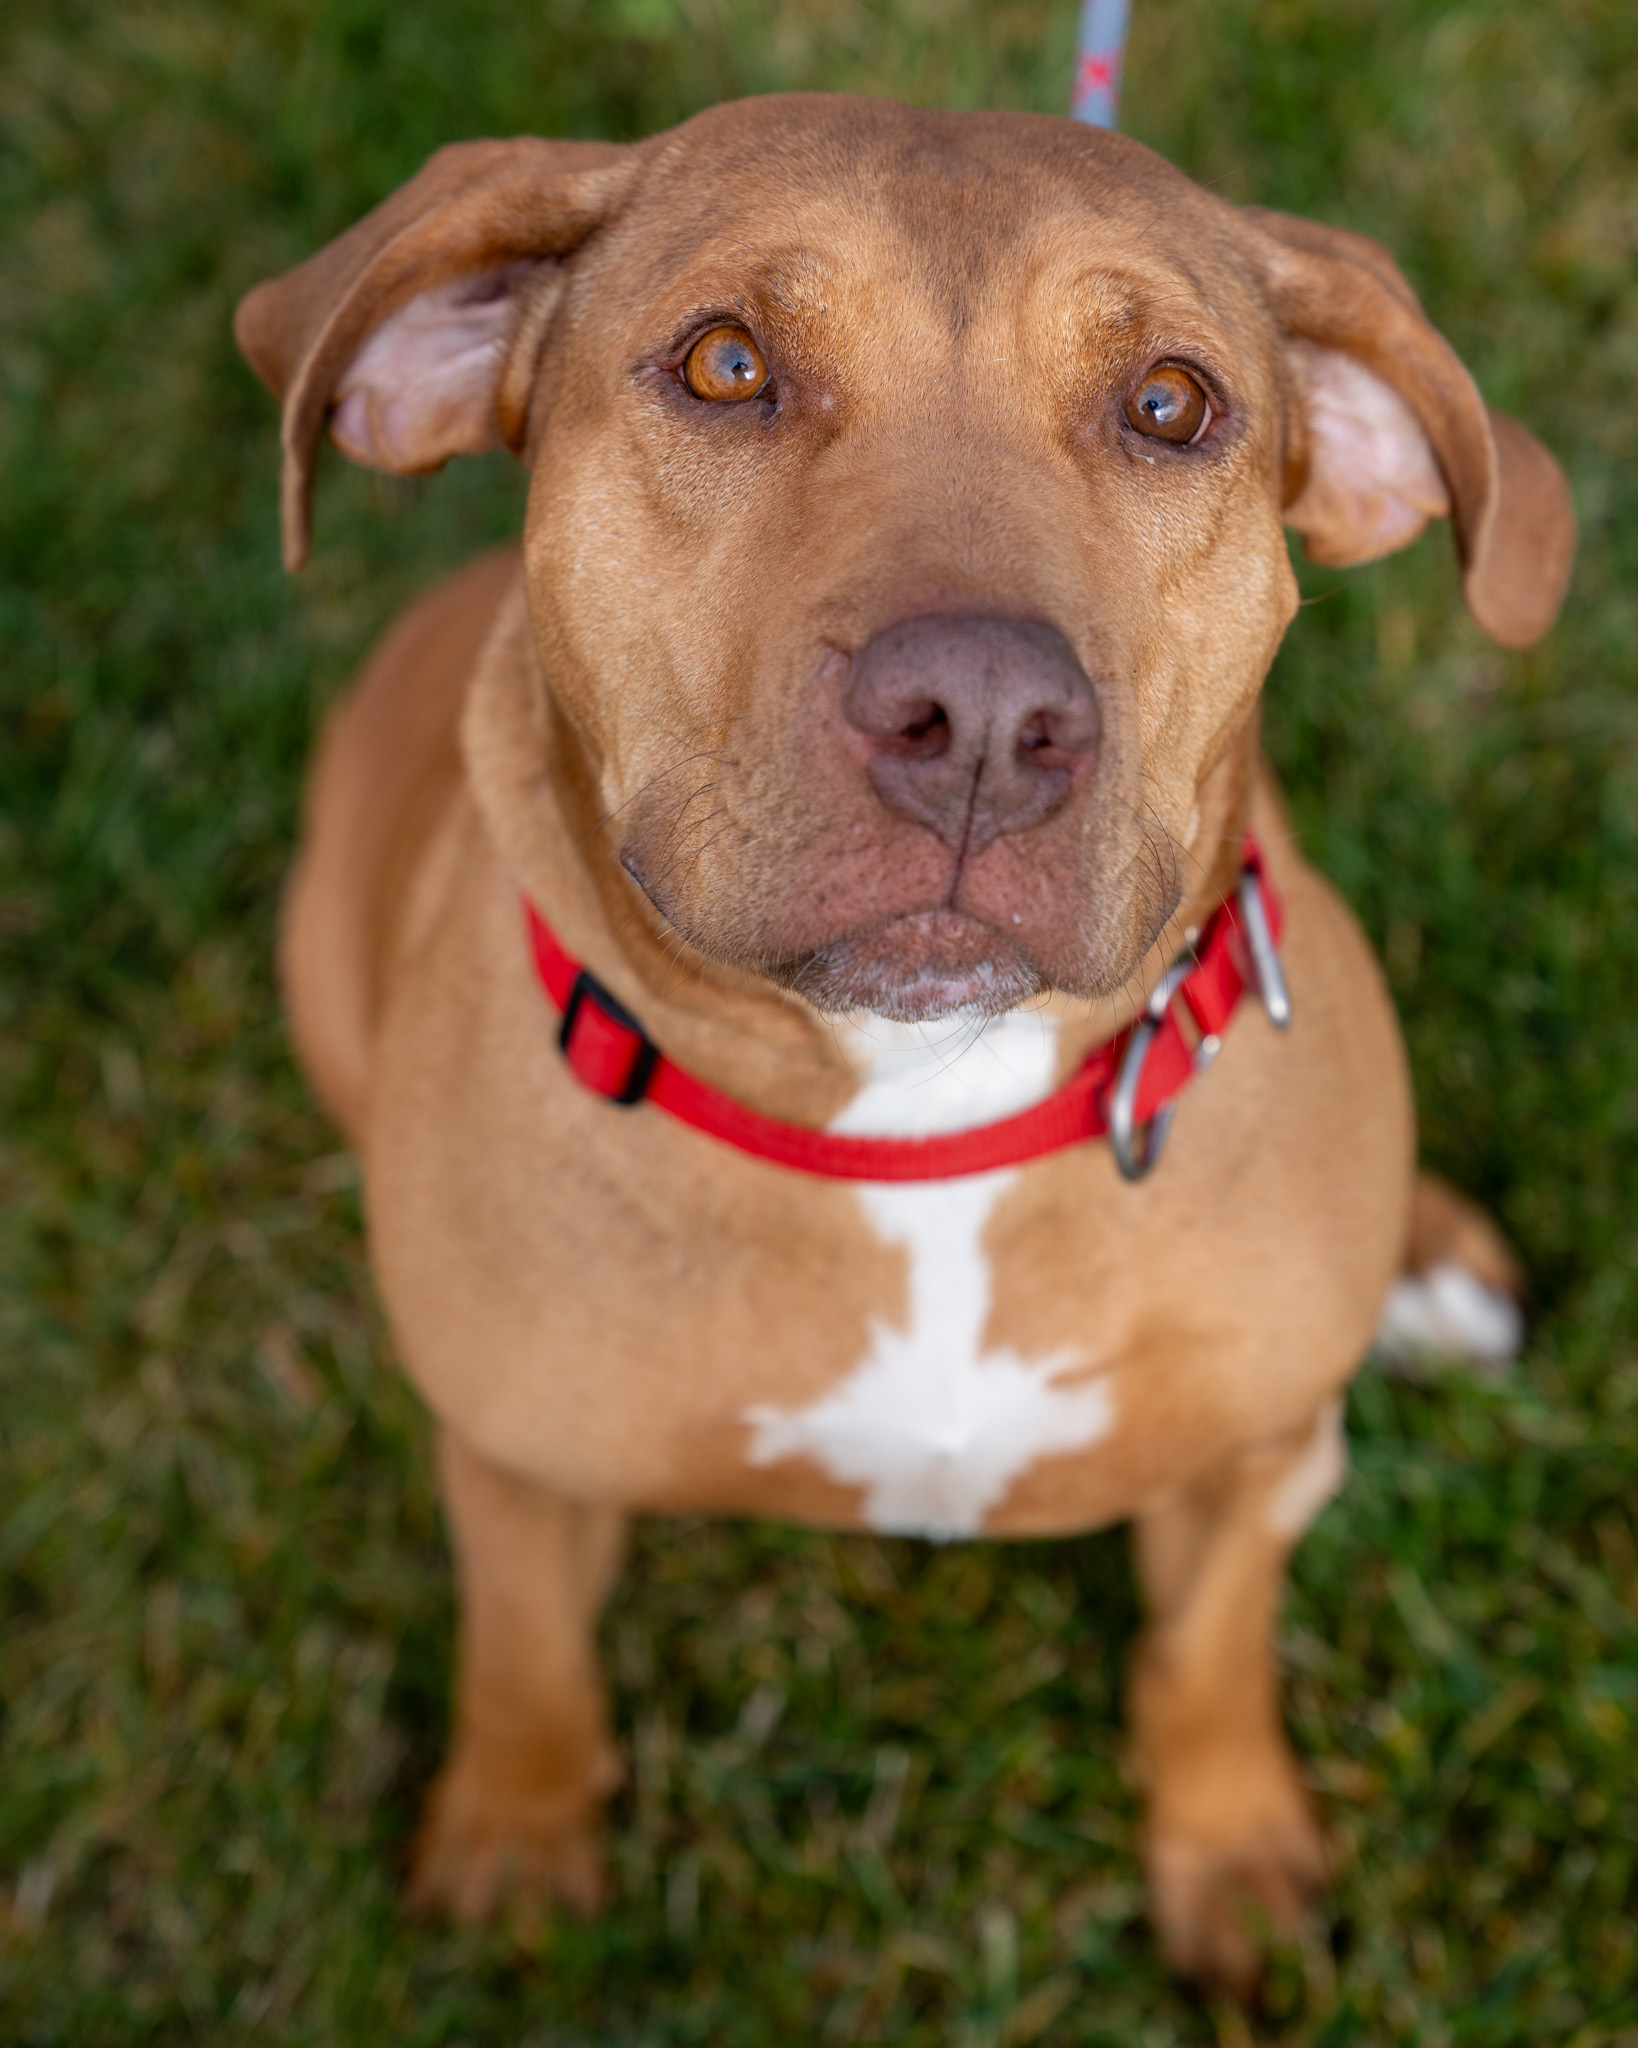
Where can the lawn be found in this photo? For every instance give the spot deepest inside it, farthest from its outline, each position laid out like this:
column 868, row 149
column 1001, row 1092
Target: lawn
column 876, row 1790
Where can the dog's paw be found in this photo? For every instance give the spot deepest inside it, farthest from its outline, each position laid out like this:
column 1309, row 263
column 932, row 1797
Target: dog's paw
column 489, row 1848
column 1459, row 1296
column 1445, row 1313
column 1220, row 1907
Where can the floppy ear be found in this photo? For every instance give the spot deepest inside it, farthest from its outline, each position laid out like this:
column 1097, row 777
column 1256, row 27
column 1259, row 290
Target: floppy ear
column 403, row 330
column 1394, row 433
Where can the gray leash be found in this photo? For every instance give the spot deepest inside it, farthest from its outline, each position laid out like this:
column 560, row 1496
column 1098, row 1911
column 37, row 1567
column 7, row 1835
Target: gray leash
column 1100, row 50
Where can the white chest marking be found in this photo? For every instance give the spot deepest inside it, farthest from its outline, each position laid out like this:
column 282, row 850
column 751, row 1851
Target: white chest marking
column 931, row 1425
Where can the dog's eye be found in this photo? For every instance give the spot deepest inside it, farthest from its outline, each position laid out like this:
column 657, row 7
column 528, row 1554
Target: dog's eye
column 1169, row 406
column 725, row 366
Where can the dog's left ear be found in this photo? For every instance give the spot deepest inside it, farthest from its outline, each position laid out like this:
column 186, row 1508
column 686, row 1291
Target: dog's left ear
column 406, row 332
column 1390, row 432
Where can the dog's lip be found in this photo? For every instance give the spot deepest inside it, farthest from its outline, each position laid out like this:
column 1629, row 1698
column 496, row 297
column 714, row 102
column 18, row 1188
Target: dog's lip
column 914, row 965
column 918, row 965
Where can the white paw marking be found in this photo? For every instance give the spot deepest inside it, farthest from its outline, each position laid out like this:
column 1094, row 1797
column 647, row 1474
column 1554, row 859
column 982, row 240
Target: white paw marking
column 932, row 1426
column 1449, row 1313
column 1316, row 1478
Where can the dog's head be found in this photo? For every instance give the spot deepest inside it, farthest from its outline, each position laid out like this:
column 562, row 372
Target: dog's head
column 905, row 542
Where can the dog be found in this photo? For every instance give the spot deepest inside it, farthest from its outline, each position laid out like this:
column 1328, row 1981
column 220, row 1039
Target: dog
column 807, row 949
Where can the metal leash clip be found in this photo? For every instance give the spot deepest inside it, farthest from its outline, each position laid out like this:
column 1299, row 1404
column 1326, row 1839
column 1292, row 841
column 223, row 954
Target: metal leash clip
column 1265, row 955
column 1136, row 1147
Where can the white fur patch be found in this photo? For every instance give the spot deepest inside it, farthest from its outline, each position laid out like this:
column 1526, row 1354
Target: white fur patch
column 1317, row 1476
column 932, row 1425
column 1447, row 1312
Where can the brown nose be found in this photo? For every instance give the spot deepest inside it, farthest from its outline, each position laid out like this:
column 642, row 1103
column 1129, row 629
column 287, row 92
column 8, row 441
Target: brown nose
column 977, row 725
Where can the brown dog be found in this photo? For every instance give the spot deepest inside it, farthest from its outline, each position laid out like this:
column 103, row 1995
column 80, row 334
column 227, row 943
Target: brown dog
column 903, row 561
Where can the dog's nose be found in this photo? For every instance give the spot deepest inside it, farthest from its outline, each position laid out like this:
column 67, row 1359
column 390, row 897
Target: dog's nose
column 977, row 725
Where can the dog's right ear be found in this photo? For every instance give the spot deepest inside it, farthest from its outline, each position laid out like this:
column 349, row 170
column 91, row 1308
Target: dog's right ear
column 401, row 333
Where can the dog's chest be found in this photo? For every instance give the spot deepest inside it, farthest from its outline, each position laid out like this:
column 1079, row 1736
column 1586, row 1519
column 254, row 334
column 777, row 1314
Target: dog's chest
column 938, row 1418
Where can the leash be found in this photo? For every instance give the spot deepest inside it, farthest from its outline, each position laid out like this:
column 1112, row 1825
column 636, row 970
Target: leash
column 1125, row 1089
column 1100, row 52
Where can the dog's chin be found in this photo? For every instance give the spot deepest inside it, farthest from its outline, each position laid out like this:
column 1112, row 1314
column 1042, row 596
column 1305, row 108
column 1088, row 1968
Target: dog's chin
column 916, row 970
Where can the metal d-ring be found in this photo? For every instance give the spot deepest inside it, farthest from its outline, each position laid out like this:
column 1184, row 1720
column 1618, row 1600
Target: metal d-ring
column 1137, row 1146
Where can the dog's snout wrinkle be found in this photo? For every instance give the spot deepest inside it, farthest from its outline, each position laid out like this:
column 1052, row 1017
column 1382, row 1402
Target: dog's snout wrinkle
column 976, row 726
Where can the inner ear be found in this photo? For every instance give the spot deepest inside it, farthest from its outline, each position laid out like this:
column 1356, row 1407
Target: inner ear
column 1371, row 481
column 424, row 385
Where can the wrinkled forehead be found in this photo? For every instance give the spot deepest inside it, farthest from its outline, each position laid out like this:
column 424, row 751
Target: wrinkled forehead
column 864, row 214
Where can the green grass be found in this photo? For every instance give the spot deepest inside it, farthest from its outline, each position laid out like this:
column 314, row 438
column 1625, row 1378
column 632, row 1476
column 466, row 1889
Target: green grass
column 877, row 1790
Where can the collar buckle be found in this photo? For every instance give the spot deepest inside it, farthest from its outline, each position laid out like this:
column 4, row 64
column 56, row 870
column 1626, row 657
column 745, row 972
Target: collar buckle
column 607, row 1050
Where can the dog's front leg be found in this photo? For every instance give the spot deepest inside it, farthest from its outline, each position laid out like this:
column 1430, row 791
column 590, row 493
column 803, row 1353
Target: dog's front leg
column 1232, row 1846
column 512, row 1819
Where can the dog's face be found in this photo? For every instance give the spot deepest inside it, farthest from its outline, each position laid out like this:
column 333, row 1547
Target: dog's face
column 905, row 540
column 905, row 535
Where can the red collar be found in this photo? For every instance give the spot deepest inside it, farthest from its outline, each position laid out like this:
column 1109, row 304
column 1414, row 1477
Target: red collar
column 1124, row 1089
